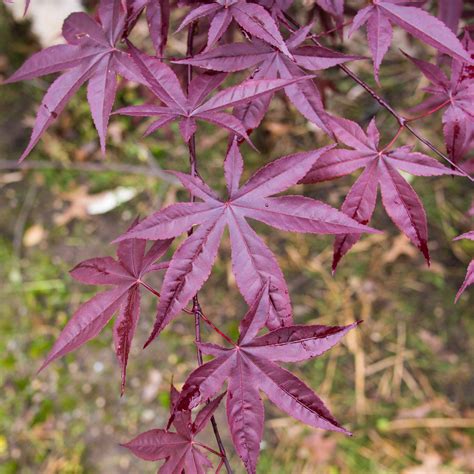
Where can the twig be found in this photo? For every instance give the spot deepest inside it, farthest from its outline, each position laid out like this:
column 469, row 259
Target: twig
column 429, row 112
column 213, row 326
column 403, row 122
column 208, row 449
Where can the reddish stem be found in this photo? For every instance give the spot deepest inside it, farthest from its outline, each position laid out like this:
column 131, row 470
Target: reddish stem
column 432, row 111
column 393, row 140
column 150, row 289
column 219, row 467
column 208, row 448
column 332, row 30
column 213, row 326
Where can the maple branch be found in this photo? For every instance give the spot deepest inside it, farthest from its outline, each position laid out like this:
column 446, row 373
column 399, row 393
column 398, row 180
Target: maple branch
column 393, row 140
column 196, row 306
column 213, row 326
column 150, row 289
column 293, row 25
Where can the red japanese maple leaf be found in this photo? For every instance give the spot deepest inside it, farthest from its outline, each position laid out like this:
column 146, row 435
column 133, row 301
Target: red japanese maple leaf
column 381, row 166
column 187, row 108
column 272, row 63
column 157, row 16
column 125, row 274
column 249, row 367
column 457, row 94
column 90, row 56
column 333, row 7
column 276, row 7
column 380, row 15
column 469, row 279
column 252, row 18
column 252, row 261
column 179, row 449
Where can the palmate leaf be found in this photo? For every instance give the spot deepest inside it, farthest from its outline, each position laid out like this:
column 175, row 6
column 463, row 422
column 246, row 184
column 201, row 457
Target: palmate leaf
column 252, row 262
column 158, row 19
column 469, row 278
column 457, row 95
column 381, row 168
column 334, row 8
column 178, row 449
column 125, row 274
column 90, row 56
column 252, row 18
column 250, row 367
column 273, row 64
column 380, row 16
column 188, row 108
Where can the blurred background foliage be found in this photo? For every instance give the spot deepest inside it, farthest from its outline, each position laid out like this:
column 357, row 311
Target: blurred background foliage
column 402, row 383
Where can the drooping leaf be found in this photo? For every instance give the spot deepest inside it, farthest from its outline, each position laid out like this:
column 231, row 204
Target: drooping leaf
column 91, row 55
column 125, row 273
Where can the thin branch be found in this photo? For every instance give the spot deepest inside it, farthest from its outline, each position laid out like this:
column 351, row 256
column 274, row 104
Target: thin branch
column 213, row 326
column 293, row 25
column 208, row 449
column 429, row 112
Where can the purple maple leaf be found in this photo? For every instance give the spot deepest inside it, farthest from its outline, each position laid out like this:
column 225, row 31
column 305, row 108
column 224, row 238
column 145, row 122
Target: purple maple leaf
column 379, row 17
column 469, row 278
column 253, row 263
column 450, row 12
column 333, row 7
column 277, row 8
column 252, row 18
column 457, row 95
column 90, row 56
column 249, row 367
column 381, row 168
column 125, row 274
column 272, row 64
column 157, row 16
column 179, row 449
column 187, row 108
